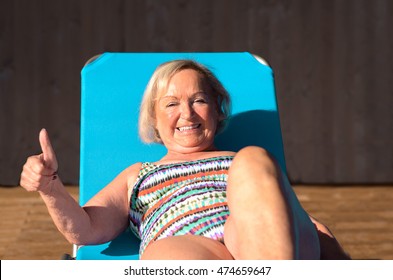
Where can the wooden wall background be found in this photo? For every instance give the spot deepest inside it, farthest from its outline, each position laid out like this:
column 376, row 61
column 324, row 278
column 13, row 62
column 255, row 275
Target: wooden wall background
column 332, row 59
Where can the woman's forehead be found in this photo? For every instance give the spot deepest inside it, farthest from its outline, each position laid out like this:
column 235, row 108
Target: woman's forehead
column 186, row 81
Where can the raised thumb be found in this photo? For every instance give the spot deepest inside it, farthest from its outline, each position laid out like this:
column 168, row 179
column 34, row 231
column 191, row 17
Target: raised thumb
column 48, row 154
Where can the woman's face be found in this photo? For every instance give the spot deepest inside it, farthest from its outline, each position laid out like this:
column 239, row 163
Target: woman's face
column 186, row 114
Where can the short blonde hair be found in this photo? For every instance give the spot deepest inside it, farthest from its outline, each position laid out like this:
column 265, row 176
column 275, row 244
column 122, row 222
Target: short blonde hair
column 159, row 82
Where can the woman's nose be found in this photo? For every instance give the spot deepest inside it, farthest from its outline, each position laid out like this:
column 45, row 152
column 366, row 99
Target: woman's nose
column 186, row 111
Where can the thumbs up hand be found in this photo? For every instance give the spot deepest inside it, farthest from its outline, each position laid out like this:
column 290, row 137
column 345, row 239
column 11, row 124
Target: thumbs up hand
column 48, row 155
column 40, row 170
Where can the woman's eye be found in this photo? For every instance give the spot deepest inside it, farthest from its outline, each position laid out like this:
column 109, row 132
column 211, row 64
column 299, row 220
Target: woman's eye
column 200, row 100
column 171, row 104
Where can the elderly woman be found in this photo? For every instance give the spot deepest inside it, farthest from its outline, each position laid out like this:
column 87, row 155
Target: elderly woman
column 196, row 202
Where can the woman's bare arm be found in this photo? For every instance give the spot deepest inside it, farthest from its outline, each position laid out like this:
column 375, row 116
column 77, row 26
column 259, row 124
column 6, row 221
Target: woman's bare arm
column 100, row 220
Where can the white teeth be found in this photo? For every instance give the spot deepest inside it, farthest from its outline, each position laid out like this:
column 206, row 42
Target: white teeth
column 184, row 128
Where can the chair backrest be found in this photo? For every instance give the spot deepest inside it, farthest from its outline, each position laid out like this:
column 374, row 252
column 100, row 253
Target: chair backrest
column 112, row 89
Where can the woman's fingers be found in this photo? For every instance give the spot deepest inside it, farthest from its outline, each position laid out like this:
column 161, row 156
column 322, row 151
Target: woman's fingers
column 40, row 169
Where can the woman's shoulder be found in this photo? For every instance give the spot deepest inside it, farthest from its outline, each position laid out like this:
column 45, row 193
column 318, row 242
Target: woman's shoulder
column 134, row 168
column 132, row 172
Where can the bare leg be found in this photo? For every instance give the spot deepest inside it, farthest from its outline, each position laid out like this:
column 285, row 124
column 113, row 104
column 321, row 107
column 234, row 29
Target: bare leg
column 186, row 247
column 266, row 220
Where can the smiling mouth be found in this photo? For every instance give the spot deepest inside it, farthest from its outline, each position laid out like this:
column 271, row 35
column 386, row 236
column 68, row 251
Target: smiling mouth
column 189, row 127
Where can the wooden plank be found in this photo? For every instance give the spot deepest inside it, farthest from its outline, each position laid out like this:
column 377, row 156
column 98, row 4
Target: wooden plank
column 360, row 217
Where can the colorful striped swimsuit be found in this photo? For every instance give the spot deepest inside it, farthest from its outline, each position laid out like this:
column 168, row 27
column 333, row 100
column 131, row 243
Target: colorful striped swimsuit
column 180, row 198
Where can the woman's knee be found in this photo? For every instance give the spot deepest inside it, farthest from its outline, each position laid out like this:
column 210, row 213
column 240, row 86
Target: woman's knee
column 252, row 152
column 253, row 160
column 254, row 164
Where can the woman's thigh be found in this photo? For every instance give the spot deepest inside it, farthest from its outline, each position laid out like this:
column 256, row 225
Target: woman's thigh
column 266, row 220
column 186, row 247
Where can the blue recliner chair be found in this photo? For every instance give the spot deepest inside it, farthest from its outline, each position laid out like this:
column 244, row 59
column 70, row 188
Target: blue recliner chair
column 112, row 89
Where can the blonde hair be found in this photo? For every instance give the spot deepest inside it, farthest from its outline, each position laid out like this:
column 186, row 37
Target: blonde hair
column 159, row 82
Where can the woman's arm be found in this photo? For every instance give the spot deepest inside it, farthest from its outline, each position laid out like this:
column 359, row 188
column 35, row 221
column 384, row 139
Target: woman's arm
column 100, row 220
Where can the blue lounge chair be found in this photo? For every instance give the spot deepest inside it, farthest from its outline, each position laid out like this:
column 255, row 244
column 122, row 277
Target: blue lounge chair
column 112, row 89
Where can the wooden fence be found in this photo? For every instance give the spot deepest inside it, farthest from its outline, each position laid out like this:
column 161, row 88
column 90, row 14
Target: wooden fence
column 332, row 61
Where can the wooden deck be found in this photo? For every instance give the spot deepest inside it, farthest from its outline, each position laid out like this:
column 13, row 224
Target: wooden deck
column 361, row 218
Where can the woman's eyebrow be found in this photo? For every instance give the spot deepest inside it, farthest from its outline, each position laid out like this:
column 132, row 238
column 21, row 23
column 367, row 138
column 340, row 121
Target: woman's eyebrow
column 167, row 97
column 201, row 92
